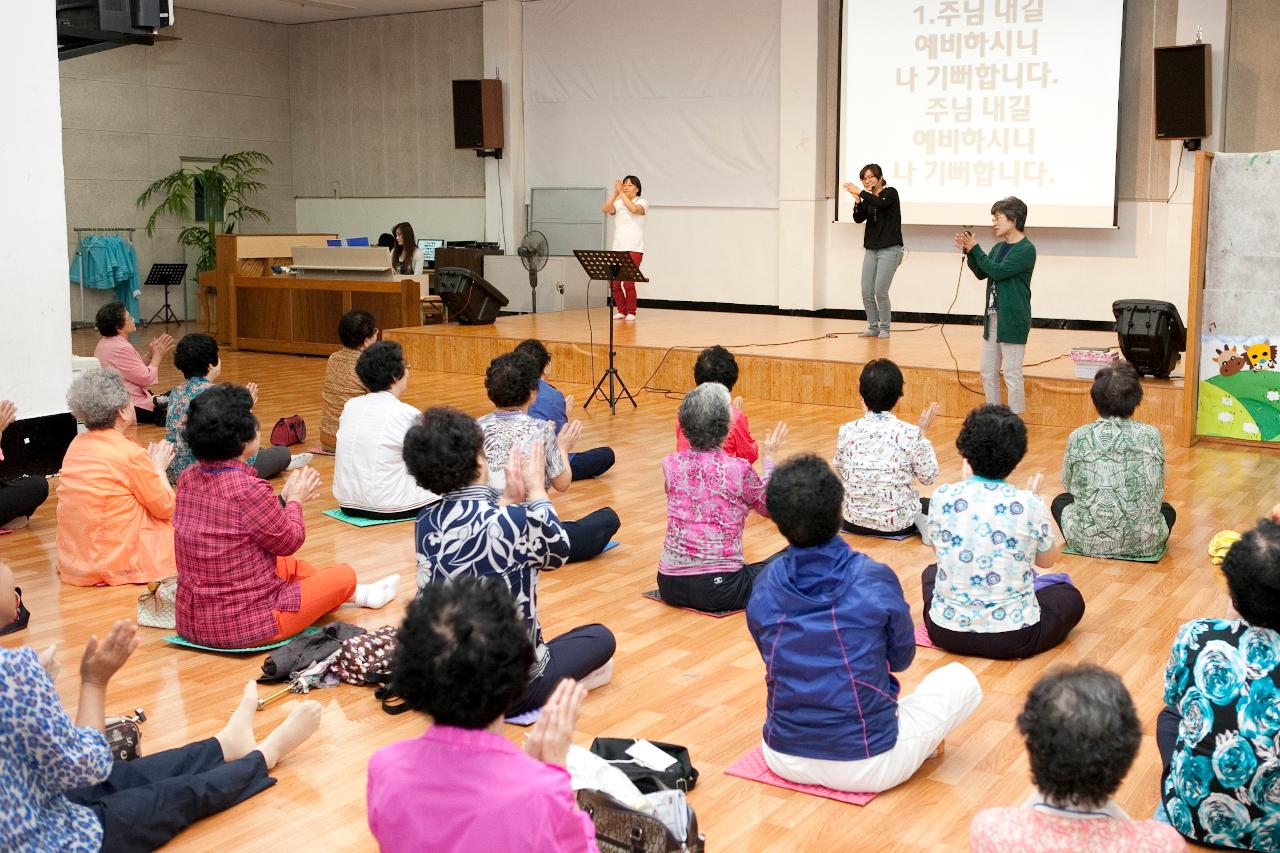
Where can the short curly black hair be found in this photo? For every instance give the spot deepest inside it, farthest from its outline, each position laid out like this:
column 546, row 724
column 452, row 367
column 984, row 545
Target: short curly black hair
column 355, row 328
column 442, row 450
column 462, row 654
column 1116, row 391
column 196, row 354
column 716, row 364
column 381, row 366
column 220, row 423
column 880, row 385
column 1082, row 734
column 535, row 349
column 110, row 319
column 993, row 440
column 804, row 497
column 511, row 379
column 1252, row 569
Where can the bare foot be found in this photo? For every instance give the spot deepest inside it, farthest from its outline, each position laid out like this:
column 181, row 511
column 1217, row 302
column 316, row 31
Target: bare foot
column 236, row 737
column 301, row 724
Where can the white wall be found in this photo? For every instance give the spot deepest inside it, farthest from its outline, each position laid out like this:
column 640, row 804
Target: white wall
column 35, row 350
column 442, row 218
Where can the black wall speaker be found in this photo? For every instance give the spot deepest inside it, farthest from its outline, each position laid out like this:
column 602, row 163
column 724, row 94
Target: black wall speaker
column 1183, row 104
column 477, row 114
column 1151, row 333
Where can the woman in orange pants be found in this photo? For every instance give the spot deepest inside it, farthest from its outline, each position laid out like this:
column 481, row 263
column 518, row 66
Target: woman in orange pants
column 238, row 584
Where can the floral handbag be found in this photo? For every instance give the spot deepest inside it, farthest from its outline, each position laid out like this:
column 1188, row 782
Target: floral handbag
column 156, row 605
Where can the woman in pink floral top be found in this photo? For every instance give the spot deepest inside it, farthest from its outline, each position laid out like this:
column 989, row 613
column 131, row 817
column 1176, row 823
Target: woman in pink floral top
column 1082, row 735
column 709, row 496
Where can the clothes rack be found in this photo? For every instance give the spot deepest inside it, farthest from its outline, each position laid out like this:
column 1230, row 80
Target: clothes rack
column 79, row 258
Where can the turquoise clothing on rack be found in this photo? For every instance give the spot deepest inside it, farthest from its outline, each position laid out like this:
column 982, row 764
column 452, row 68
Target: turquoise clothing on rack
column 110, row 263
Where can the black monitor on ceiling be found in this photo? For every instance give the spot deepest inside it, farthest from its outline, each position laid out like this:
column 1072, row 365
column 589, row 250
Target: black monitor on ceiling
column 428, row 245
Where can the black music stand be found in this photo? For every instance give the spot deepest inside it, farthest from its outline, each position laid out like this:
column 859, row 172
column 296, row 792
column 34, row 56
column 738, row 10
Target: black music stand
column 166, row 276
column 609, row 266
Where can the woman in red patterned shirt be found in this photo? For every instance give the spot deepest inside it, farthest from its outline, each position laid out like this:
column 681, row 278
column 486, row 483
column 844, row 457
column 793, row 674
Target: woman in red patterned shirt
column 238, row 585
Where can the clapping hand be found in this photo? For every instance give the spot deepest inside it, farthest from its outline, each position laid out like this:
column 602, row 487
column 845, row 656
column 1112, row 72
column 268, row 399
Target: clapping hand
column 737, row 404
column 853, row 190
column 48, row 659
column 550, row 737
column 160, row 345
column 926, row 417
column 535, row 472
column 965, row 241
column 103, row 659
column 302, row 485
column 1034, row 483
column 617, row 188
column 8, row 414
column 161, row 453
column 568, row 405
column 569, row 435
column 252, row 388
column 775, row 440
column 513, row 472
column 966, row 471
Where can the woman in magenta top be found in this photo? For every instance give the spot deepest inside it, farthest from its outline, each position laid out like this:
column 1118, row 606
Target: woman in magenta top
column 114, row 351
column 463, row 658
column 709, row 496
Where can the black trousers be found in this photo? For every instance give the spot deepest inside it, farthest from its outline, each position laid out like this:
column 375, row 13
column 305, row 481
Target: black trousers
column 21, row 497
column 859, row 530
column 590, row 463
column 1065, row 499
column 712, row 593
column 574, row 655
column 1061, row 608
column 153, row 416
column 270, row 461
column 146, row 802
column 589, row 534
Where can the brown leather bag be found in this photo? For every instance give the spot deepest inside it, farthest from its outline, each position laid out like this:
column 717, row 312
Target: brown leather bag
column 622, row 829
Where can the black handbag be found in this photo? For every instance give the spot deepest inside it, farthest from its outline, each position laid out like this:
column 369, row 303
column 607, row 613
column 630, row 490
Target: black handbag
column 622, row 829
column 124, row 735
column 681, row 776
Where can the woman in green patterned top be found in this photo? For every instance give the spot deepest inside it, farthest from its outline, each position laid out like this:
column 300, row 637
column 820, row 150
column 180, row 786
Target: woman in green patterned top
column 1007, row 270
column 1114, row 476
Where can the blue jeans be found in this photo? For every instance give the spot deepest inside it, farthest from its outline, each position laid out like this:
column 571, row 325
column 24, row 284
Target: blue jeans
column 878, row 267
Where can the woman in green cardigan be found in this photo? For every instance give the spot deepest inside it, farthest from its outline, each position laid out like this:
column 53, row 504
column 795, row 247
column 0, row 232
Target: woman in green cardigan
column 1007, row 271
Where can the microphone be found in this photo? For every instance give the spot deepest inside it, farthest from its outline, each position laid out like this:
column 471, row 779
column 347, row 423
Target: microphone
column 967, row 233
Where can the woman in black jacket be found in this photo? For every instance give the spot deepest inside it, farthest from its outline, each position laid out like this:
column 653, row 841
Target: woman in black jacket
column 877, row 205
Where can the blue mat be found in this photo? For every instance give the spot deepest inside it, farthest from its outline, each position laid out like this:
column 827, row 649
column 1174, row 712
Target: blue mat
column 178, row 640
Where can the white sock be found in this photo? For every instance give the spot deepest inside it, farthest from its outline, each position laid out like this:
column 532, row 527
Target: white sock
column 375, row 595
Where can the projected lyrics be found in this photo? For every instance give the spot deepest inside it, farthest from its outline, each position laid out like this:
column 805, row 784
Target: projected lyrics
column 947, row 62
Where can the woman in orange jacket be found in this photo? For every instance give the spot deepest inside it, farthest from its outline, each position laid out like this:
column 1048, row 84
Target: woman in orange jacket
column 115, row 505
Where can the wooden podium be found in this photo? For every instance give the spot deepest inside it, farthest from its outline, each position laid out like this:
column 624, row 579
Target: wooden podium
column 251, row 255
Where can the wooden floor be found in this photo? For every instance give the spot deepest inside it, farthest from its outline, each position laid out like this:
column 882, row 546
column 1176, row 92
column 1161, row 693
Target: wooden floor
column 680, row 677
column 788, row 359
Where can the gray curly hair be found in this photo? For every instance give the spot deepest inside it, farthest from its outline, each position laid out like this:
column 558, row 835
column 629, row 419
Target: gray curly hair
column 705, row 415
column 95, row 396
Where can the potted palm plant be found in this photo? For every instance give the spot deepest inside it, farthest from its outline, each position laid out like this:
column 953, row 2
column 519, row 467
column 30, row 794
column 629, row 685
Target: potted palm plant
column 224, row 186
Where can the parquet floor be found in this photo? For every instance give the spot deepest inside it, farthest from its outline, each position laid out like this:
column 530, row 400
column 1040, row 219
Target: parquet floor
column 680, row 677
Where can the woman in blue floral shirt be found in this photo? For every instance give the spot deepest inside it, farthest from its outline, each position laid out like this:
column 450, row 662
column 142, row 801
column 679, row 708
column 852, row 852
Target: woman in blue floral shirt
column 1219, row 736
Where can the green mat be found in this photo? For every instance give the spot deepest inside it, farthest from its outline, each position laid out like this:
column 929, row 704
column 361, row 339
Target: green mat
column 361, row 522
column 177, row 640
column 1067, row 549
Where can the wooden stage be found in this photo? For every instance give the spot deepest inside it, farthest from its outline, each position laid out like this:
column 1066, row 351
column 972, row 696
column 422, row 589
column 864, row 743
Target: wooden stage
column 787, row 359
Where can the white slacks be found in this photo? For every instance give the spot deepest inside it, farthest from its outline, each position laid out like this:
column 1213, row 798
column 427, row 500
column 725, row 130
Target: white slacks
column 943, row 700
column 1000, row 358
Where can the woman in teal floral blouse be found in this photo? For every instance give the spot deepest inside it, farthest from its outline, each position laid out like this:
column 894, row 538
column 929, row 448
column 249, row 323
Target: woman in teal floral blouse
column 1219, row 736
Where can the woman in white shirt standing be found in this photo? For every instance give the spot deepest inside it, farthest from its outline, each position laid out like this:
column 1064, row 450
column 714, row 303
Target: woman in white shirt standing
column 628, row 236
column 406, row 257
column 370, row 479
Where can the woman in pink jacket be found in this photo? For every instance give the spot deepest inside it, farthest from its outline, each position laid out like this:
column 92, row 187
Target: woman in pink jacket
column 114, row 350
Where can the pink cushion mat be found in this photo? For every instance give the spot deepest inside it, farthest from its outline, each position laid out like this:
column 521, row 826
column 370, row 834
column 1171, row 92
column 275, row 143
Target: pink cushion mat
column 922, row 637
column 751, row 766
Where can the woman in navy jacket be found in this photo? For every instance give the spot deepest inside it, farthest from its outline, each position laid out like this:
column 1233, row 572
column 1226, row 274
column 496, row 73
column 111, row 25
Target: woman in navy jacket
column 832, row 625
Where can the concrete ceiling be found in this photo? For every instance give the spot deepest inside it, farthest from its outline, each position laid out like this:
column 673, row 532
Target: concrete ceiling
column 307, row 11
